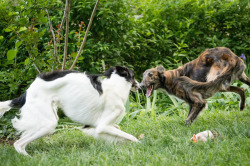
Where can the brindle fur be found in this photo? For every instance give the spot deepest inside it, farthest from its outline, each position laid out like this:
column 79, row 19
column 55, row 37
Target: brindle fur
column 214, row 70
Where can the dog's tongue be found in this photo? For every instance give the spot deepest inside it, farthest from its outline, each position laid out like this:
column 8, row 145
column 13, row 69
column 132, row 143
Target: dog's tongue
column 149, row 91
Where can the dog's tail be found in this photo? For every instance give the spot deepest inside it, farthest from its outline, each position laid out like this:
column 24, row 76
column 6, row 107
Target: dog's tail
column 225, row 79
column 222, row 82
column 15, row 103
column 4, row 107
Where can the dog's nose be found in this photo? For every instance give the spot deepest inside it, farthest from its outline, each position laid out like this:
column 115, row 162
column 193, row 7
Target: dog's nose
column 135, row 86
column 142, row 85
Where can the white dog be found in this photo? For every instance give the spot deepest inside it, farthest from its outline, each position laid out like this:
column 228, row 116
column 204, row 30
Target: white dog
column 96, row 101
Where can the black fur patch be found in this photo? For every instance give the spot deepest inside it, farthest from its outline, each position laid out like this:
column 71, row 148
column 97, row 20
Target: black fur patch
column 109, row 72
column 187, row 70
column 18, row 102
column 202, row 71
column 86, row 126
column 125, row 72
column 55, row 75
column 95, row 82
column 121, row 71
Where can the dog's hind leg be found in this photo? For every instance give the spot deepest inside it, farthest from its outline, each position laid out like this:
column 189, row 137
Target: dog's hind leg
column 239, row 91
column 29, row 136
column 245, row 79
column 36, row 120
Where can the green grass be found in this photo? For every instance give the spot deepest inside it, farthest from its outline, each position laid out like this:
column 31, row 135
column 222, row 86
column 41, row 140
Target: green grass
column 166, row 142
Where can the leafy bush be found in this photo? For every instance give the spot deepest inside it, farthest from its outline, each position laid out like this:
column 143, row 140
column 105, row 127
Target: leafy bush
column 138, row 34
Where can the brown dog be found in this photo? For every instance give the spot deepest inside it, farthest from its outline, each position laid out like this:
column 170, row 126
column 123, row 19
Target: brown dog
column 214, row 70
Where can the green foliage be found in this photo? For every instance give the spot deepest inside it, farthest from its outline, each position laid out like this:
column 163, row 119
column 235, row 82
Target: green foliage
column 139, row 34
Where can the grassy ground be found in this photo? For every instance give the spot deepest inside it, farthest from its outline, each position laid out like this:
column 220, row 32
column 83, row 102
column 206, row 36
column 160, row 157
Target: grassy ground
column 166, row 142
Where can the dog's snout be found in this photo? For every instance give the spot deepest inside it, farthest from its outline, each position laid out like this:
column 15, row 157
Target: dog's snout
column 135, row 86
column 142, row 86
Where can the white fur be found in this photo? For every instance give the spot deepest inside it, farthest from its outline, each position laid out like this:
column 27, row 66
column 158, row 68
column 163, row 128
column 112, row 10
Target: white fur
column 79, row 100
column 4, row 107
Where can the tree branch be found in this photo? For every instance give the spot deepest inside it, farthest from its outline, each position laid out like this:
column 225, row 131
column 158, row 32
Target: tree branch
column 85, row 36
column 66, row 16
column 53, row 34
column 34, row 64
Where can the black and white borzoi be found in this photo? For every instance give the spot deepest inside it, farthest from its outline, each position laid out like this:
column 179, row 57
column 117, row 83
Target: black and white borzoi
column 96, row 101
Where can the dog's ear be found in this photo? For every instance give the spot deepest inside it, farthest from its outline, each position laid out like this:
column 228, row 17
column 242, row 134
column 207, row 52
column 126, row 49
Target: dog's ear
column 122, row 71
column 160, row 69
column 120, row 68
column 109, row 72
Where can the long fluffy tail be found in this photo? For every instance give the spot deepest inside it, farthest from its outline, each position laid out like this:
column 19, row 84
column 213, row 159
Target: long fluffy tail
column 15, row 103
column 222, row 82
column 4, row 107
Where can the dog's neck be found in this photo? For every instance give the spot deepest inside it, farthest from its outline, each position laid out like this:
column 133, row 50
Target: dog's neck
column 170, row 75
column 167, row 79
column 117, row 86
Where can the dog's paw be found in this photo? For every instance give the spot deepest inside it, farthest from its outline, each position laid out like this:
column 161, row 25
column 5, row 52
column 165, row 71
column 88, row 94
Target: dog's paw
column 242, row 107
column 136, row 140
column 188, row 123
column 20, row 149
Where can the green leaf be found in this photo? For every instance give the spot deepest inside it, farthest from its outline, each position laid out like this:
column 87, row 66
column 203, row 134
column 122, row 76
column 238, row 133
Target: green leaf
column 13, row 13
column 43, row 19
column 26, row 62
column 7, row 30
column 74, row 54
column 148, row 33
column 42, row 32
column 22, row 29
column 80, row 58
column 1, row 37
column 18, row 44
column 11, row 54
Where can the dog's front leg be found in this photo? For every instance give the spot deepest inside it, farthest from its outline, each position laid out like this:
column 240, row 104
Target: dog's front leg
column 106, row 126
column 194, row 112
column 196, row 106
column 113, row 134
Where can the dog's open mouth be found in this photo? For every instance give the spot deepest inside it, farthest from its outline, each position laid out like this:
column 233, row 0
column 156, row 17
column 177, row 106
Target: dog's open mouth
column 150, row 90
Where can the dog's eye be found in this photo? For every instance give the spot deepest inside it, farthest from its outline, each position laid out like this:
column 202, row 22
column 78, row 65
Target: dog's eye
column 150, row 75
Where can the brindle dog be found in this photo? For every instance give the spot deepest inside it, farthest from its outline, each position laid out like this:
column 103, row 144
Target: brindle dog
column 213, row 71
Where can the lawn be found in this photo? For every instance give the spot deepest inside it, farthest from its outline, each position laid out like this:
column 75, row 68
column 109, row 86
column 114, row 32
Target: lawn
column 166, row 141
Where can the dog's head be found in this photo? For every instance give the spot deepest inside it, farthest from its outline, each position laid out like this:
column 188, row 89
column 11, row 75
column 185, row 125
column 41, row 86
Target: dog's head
column 152, row 79
column 126, row 73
